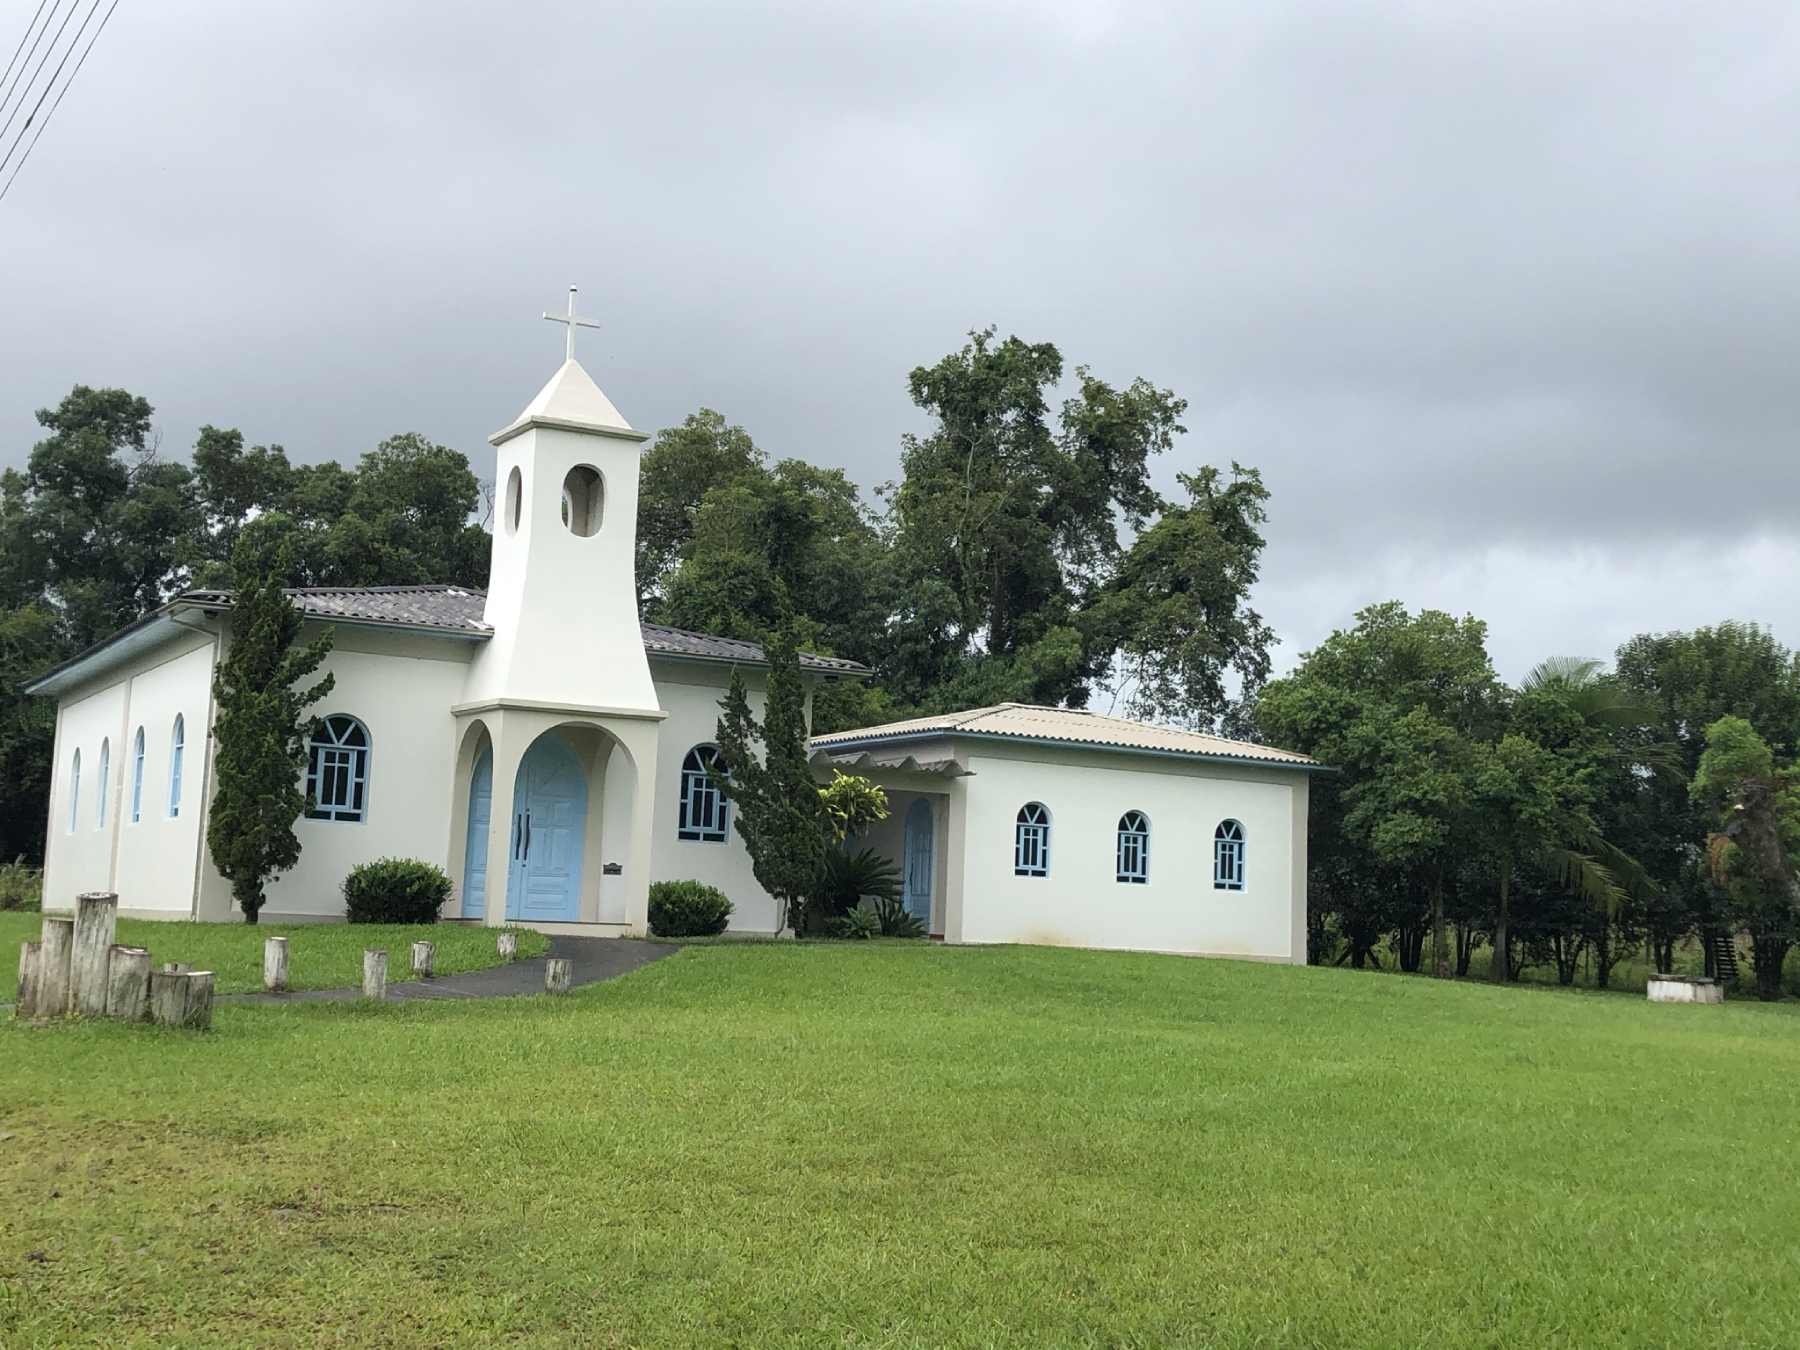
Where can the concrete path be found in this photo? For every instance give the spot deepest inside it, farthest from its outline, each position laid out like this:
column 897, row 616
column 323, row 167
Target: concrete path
column 595, row 959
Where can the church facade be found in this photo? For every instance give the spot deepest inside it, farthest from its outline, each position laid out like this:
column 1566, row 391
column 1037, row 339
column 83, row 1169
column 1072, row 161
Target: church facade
column 555, row 756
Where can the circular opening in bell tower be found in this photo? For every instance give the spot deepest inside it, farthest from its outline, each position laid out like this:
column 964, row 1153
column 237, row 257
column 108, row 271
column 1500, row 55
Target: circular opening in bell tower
column 581, row 500
column 514, row 495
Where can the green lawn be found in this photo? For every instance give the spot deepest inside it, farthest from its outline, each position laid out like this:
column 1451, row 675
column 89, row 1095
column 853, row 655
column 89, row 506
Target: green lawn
column 911, row 1145
column 320, row 955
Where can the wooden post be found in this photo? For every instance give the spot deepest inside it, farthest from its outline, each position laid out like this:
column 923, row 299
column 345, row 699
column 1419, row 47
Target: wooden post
column 558, row 973
column 508, row 946
column 53, row 968
column 275, row 958
column 374, row 974
column 25, row 1005
column 128, row 984
column 424, row 955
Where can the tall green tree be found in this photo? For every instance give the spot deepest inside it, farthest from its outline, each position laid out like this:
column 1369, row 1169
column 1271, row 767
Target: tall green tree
column 1397, row 705
column 682, row 465
column 262, row 726
column 1010, row 527
column 778, row 811
column 1693, row 679
column 1754, row 851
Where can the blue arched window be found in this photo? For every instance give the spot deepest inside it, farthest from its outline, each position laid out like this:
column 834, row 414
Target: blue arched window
column 74, row 790
column 105, row 775
column 1031, row 841
column 1228, row 856
column 1133, row 860
column 137, row 777
column 337, row 774
column 177, row 743
column 703, row 807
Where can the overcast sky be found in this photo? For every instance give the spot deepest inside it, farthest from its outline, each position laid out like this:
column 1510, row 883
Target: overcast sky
column 1502, row 298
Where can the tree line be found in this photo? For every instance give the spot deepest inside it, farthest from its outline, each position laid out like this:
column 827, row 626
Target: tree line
column 1022, row 553
column 1569, row 820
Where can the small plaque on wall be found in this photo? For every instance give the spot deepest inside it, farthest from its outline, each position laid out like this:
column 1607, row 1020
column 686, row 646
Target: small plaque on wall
column 612, row 869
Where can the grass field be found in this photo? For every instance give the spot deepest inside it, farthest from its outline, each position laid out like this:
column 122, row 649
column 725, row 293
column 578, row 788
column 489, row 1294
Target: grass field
column 320, row 955
column 911, row 1145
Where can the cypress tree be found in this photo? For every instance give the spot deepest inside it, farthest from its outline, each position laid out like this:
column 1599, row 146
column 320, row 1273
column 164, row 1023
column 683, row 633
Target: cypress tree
column 262, row 727
column 778, row 811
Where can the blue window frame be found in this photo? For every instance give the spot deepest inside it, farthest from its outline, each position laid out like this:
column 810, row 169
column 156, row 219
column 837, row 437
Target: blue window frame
column 1031, row 841
column 337, row 775
column 704, row 810
column 177, row 743
column 137, row 777
column 105, row 775
column 1133, row 856
column 1228, row 856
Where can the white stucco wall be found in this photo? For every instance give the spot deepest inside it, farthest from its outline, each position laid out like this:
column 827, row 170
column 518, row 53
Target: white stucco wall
column 150, row 863
column 401, row 688
column 1081, row 902
column 690, row 694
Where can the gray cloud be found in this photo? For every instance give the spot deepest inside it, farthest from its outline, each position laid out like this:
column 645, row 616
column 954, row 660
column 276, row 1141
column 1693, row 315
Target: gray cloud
column 1500, row 297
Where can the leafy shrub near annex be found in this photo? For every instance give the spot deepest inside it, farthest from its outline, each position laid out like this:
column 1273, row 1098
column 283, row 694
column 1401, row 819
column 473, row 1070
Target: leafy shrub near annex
column 687, row 909
column 395, row 890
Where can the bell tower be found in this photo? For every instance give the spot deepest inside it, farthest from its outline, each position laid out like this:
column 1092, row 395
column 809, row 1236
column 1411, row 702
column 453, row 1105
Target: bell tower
column 562, row 586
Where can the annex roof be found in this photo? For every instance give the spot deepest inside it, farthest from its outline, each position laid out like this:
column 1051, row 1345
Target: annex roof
column 446, row 611
column 1031, row 723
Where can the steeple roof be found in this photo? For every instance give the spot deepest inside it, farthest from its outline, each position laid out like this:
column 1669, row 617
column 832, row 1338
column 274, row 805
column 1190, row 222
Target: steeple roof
column 573, row 402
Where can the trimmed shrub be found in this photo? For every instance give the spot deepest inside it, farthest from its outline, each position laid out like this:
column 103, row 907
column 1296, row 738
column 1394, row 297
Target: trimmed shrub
column 687, row 909
column 395, row 890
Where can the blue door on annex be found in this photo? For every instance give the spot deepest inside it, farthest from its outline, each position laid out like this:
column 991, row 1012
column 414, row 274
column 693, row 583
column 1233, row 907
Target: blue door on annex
column 481, row 812
column 549, row 821
column 915, row 882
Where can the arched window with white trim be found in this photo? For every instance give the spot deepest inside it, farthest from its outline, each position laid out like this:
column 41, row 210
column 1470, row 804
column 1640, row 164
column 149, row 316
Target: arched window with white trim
column 137, row 777
column 177, row 744
column 105, row 776
column 1031, row 841
column 1132, row 862
column 337, row 774
column 74, row 790
column 704, row 809
column 1228, row 856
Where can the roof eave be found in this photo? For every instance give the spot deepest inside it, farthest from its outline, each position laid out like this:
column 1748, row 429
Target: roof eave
column 1062, row 743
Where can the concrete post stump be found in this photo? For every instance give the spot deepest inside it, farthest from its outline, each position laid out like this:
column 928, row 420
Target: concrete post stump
column 128, row 984
column 508, row 946
column 559, row 973
column 96, row 924
column 424, row 958
column 25, row 1005
column 275, row 965
column 56, row 949
column 374, row 974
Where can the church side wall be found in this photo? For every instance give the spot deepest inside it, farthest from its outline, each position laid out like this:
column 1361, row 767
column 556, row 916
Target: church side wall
column 150, row 863
column 1081, row 903
column 690, row 694
column 400, row 688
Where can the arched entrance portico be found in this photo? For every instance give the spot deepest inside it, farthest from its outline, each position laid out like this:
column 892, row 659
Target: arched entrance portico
column 554, row 816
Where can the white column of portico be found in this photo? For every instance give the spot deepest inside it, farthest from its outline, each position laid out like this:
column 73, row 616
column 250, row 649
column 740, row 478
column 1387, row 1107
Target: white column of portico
column 639, row 739
column 511, row 737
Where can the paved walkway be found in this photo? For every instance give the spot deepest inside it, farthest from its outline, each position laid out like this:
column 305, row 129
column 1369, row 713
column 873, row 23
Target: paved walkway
column 595, row 958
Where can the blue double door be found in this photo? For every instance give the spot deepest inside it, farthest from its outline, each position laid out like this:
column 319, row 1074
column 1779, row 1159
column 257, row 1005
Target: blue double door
column 548, row 831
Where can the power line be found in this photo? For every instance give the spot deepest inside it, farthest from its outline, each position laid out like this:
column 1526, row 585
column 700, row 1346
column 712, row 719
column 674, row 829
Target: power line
column 50, row 83
column 6, row 95
column 7, row 186
column 42, row 61
column 21, row 46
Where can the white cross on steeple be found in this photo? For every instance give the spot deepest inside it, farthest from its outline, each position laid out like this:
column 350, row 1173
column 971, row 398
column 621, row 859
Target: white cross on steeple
column 573, row 322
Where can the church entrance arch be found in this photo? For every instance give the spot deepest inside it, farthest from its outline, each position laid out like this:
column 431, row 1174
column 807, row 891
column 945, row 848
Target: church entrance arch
column 548, row 834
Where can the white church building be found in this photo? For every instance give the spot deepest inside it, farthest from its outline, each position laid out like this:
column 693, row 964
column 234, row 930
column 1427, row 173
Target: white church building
column 555, row 756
